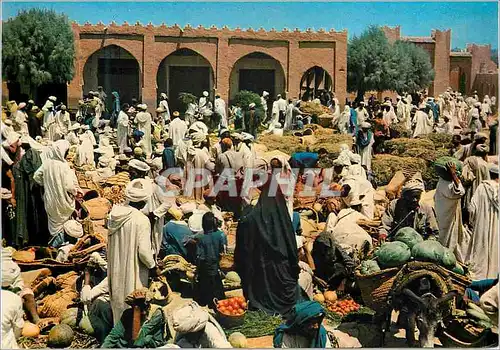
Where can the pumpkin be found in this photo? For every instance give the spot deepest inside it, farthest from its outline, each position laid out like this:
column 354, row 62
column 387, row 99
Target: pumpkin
column 69, row 317
column 30, row 330
column 238, row 340
column 330, row 296
column 320, row 298
column 60, row 336
column 86, row 326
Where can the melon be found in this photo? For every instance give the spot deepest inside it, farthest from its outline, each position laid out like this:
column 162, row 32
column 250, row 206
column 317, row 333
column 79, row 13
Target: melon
column 330, row 296
column 320, row 298
column 30, row 330
column 60, row 336
column 238, row 340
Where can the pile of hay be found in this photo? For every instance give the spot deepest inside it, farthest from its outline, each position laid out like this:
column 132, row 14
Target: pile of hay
column 385, row 166
column 439, row 140
column 398, row 147
column 313, row 108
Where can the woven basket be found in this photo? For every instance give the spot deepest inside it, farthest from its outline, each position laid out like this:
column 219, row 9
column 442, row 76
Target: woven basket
column 229, row 321
column 227, row 262
column 67, row 281
column 375, row 288
column 55, row 304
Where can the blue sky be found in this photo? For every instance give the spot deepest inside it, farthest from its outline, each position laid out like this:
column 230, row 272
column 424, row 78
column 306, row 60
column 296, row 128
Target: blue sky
column 469, row 21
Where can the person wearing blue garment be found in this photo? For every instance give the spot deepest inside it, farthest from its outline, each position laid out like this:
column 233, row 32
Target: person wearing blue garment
column 115, row 109
column 168, row 157
column 210, row 245
column 305, row 160
column 175, row 236
column 477, row 288
column 303, row 329
column 353, row 121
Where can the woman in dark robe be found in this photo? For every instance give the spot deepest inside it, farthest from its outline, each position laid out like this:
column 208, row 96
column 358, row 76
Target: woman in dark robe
column 266, row 256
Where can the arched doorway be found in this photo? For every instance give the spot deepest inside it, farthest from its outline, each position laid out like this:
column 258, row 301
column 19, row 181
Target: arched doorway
column 314, row 81
column 257, row 72
column 184, row 70
column 115, row 69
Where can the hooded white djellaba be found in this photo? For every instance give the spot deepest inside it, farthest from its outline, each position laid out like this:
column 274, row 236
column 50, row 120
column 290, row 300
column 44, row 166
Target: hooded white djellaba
column 60, row 185
column 130, row 255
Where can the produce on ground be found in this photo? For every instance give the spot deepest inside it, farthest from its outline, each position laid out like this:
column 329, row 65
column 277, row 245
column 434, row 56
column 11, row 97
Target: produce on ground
column 369, row 267
column 60, row 336
column 235, row 306
column 343, row 307
column 257, row 324
column 238, row 340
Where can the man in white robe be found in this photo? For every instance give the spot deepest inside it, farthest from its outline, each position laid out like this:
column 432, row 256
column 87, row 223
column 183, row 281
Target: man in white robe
column 263, row 101
column 423, row 124
column 177, row 129
column 72, row 136
column 220, row 109
column 63, row 120
column 60, row 188
column 165, row 115
column 452, row 233
column 483, row 210
column 122, row 129
column 291, row 112
column 49, row 104
column 476, row 170
column 21, row 119
column 281, row 105
column 400, row 108
column 143, row 120
column 361, row 113
column 7, row 128
column 365, row 151
column 129, row 252
column 85, row 153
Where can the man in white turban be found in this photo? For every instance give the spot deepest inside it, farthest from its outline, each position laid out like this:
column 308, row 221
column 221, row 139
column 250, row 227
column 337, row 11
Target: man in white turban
column 177, row 129
column 220, row 110
column 60, row 189
column 21, row 119
column 130, row 255
column 263, row 101
column 143, row 120
column 165, row 114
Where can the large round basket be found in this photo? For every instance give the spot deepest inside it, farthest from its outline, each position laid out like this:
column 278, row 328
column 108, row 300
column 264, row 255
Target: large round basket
column 375, row 288
column 229, row 321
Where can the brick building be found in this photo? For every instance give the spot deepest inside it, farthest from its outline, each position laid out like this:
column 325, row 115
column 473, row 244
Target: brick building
column 144, row 61
column 464, row 71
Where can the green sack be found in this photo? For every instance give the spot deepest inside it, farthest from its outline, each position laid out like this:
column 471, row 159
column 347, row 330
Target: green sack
column 440, row 167
column 431, row 251
column 408, row 236
column 393, row 254
column 369, row 267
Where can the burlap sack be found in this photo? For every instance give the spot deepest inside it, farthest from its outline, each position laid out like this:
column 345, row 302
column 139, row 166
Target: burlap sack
column 98, row 208
column 67, row 281
column 55, row 304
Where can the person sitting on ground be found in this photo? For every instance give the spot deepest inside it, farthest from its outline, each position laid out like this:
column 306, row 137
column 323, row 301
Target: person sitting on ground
column 12, row 282
column 304, row 328
column 304, row 160
column 196, row 328
column 408, row 212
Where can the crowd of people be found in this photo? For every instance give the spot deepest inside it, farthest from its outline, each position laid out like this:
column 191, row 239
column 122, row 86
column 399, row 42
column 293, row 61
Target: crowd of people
column 170, row 154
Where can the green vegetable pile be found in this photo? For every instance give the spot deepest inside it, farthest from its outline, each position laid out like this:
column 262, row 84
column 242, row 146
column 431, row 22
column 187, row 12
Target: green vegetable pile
column 257, row 324
column 393, row 254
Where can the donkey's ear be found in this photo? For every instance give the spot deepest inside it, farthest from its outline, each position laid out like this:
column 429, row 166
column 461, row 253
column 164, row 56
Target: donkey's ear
column 410, row 294
column 448, row 296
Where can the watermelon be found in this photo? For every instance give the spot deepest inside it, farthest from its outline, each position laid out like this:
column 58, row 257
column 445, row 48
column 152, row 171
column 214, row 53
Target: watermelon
column 440, row 167
column 449, row 260
column 393, row 254
column 369, row 267
column 408, row 236
column 431, row 251
column 458, row 269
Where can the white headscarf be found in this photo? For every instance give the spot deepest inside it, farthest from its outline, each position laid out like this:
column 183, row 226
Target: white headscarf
column 190, row 318
column 73, row 228
column 138, row 190
column 10, row 270
column 59, row 149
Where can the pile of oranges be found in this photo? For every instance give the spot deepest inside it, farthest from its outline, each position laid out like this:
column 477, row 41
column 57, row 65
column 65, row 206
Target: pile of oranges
column 235, row 306
column 343, row 307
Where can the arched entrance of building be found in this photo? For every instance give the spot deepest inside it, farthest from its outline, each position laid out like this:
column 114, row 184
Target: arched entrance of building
column 257, row 72
column 115, row 69
column 184, row 70
column 314, row 81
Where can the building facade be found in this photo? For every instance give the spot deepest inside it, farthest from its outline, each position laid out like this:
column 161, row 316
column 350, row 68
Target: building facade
column 143, row 61
column 466, row 71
